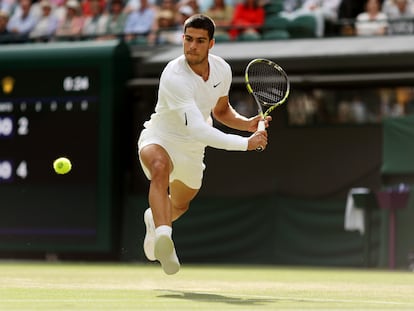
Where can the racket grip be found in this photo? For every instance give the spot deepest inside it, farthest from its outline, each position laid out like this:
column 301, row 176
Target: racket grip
column 261, row 126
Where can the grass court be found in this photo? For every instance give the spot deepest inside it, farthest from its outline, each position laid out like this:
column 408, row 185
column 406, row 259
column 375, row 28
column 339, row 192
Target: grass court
column 124, row 286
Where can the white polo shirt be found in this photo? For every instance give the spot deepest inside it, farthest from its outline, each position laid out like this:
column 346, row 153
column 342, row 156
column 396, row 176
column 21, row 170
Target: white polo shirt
column 185, row 101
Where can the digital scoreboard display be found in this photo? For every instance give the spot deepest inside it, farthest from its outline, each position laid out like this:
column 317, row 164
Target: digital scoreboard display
column 41, row 120
column 60, row 104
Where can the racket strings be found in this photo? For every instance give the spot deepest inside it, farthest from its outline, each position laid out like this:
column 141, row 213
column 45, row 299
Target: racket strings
column 267, row 82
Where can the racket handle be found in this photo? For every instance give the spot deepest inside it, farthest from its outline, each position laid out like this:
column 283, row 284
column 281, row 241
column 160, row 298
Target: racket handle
column 260, row 127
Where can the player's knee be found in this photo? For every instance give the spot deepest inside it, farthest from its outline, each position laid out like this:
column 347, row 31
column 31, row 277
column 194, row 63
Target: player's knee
column 159, row 169
column 181, row 208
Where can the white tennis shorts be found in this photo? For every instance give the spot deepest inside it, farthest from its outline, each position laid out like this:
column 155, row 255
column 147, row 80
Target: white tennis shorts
column 188, row 165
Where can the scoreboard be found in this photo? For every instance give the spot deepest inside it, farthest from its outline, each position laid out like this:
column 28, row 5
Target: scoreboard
column 61, row 101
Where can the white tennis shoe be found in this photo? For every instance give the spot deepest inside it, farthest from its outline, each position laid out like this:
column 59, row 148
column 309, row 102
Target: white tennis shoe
column 165, row 253
column 149, row 240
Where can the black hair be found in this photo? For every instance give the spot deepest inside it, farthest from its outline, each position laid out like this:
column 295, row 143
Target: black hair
column 201, row 21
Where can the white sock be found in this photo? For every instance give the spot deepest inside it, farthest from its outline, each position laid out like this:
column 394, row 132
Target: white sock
column 163, row 230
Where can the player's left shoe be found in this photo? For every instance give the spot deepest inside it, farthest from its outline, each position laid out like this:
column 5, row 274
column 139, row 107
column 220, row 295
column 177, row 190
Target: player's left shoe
column 165, row 253
column 149, row 240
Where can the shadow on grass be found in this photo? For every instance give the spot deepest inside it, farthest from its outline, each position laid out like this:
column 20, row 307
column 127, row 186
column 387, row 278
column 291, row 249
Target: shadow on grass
column 209, row 297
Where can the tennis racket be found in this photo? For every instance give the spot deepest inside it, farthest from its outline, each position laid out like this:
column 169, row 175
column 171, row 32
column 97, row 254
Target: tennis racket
column 269, row 85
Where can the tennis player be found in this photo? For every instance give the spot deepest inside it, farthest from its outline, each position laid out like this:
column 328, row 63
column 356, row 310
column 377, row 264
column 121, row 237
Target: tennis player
column 171, row 145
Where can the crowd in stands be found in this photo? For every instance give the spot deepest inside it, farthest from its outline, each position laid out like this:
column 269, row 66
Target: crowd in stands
column 160, row 21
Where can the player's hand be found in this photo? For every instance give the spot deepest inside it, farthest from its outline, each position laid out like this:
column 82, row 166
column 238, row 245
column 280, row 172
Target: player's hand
column 257, row 140
column 254, row 121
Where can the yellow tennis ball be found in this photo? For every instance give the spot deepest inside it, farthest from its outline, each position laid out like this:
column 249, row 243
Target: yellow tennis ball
column 62, row 165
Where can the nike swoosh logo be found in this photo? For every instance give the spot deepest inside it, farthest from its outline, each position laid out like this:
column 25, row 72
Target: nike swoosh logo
column 217, row 84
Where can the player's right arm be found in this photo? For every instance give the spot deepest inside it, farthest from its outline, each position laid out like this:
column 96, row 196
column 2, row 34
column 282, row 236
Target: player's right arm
column 226, row 114
column 200, row 130
column 180, row 99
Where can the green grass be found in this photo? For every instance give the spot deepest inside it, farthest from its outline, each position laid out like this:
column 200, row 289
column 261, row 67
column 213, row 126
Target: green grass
column 69, row 286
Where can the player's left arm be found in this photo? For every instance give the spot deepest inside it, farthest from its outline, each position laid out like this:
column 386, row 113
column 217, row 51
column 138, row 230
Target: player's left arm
column 226, row 114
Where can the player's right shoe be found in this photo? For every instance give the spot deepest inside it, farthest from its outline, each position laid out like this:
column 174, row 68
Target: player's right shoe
column 149, row 240
column 165, row 252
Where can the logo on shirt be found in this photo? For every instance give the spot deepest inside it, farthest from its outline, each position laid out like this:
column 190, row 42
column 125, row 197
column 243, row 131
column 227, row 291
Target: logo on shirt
column 216, row 85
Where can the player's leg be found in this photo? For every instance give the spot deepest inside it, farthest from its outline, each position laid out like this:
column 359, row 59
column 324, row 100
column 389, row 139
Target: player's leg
column 157, row 161
column 181, row 196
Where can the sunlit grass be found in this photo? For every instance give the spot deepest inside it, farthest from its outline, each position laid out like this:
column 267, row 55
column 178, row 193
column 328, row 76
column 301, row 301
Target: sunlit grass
column 85, row 286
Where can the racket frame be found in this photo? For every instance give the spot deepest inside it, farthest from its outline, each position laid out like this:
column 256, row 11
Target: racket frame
column 260, row 103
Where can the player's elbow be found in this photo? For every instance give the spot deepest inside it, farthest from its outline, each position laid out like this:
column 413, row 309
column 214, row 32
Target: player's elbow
column 220, row 114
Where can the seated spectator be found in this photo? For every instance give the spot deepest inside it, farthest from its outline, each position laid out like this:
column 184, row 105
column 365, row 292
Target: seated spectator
column 400, row 14
column 175, row 35
column 4, row 19
column 248, row 17
column 60, row 10
column 23, row 22
column 47, row 25
column 222, row 15
column 371, row 22
column 8, row 6
column 166, row 20
column 290, row 6
column 191, row 3
column 347, row 13
column 95, row 24
column 86, row 6
column 165, row 29
column 324, row 11
column 35, row 9
column 139, row 23
column 71, row 26
column 116, row 19
column 134, row 5
column 5, row 36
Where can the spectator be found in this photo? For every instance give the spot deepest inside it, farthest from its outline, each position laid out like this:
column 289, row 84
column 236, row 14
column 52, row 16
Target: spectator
column 222, row 15
column 204, row 5
column 166, row 28
column 168, row 5
column 191, row 3
column 87, row 9
column 372, row 21
column 248, row 17
column 116, row 20
column 347, row 13
column 290, row 6
column 95, row 24
column 57, row 3
column 350, row 9
column 324, row 11
column 23, row 22
column 5, row 36
column 60, row 10
column 139, row 23
column 35, row 9
column 165, row 22
column 134, row 5
column 4, row 19
column 47, row 25
column 71, row 26
column 400, row 14
column 175, row 35
column 8, row 6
